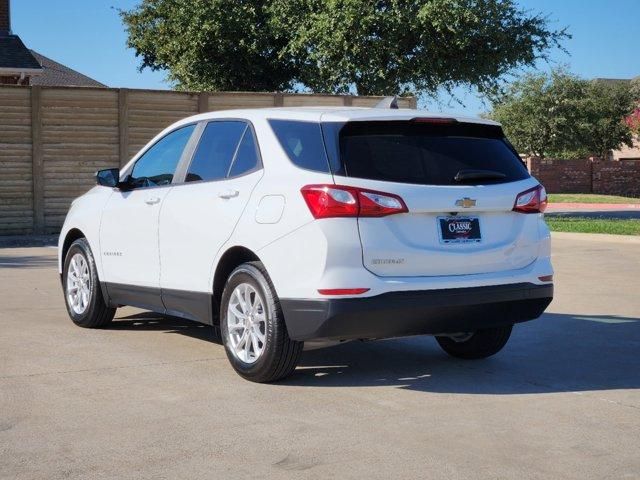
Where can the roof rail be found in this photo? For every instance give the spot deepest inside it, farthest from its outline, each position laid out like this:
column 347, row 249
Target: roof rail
column 388, row 102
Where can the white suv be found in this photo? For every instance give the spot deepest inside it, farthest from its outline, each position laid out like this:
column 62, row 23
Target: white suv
column 319, row 225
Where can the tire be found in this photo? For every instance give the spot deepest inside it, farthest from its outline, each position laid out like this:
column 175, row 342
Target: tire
column 96, row 313
column 481, row 344
column 267, row 354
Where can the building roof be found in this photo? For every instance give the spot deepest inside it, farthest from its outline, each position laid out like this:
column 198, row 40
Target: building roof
column 617, row 80
column 15, row 56
column 55, row 74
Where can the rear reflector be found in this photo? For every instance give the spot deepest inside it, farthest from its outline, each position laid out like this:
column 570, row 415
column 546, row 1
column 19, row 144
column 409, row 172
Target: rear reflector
column 546, row 278
column 342, row 291
column 330, row 201
column 533, row 200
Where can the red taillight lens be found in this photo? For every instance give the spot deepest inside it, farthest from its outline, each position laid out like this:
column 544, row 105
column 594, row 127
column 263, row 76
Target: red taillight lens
column 342, row 291
column 329, row 201
column 533, row 200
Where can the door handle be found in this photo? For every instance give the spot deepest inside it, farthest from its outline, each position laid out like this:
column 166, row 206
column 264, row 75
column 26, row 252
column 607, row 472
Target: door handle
column 228, row 194
column 152, row 200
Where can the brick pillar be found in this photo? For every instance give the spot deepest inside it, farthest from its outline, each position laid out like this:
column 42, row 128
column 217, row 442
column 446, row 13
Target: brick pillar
column 5, row 18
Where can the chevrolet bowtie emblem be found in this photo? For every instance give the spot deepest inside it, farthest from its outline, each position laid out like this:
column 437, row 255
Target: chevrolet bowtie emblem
column 465, row 202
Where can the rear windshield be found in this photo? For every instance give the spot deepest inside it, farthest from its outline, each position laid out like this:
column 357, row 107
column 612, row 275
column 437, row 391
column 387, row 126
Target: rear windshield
column 422, row 153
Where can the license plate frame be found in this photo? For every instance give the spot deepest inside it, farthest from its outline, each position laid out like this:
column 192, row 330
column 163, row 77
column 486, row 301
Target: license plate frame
column 465, row 231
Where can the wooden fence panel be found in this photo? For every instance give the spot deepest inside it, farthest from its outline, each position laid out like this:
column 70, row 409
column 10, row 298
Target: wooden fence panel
column 16, row 196
column 149, row 112
column 79, row 136
column 231, row 100
column 53, row 139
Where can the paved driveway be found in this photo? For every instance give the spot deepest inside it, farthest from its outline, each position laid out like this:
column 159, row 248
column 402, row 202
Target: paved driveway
column 154, row 397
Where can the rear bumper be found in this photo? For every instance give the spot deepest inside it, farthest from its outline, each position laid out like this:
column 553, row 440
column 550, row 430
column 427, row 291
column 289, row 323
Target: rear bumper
column 396, row 314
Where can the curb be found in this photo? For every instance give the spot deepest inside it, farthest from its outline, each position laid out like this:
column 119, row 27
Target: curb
column 592, row 206
column 597, row 237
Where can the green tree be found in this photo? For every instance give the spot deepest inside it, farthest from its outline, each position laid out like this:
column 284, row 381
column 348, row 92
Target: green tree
column 602, row 113
column 360, row 46
column 211, row 44
column 537, row 112
column 563, row 116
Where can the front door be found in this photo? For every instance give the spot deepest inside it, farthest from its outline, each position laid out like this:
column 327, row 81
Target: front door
column 129, row 227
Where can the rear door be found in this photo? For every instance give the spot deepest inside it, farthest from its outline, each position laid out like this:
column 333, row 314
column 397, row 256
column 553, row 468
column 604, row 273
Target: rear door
column 459, row 182
column 199, row 215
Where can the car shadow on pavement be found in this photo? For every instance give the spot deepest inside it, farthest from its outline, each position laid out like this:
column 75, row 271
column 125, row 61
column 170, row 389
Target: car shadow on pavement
column 556, row 353
column 150, row 321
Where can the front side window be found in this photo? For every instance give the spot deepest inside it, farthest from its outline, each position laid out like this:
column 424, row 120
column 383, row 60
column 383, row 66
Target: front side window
column 216, row 151
column 302, row 142
column 158, row 164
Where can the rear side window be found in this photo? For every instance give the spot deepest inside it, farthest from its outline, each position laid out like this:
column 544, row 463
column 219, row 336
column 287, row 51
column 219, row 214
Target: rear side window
column 427, row 154
column 216, row 150
column 302, row 141
column 246, row 156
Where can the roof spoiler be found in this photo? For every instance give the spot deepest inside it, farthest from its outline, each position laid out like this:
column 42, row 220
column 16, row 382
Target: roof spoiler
column 388, row 102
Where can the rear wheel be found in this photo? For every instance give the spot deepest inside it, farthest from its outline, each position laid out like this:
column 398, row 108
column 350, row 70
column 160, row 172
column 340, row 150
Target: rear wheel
column 253, row 329
column 82, row 292
column 480, row 344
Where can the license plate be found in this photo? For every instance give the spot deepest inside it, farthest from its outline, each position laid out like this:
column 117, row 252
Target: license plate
column 459, row 229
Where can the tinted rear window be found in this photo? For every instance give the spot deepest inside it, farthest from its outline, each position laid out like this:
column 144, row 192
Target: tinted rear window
column 409, row 152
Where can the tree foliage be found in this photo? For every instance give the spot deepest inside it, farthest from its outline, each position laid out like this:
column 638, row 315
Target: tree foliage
column 360, row 46
column 211, row 44
column 563, row 116
column 633, row 120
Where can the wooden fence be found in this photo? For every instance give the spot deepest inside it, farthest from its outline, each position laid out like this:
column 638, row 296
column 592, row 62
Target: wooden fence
column 53, row 139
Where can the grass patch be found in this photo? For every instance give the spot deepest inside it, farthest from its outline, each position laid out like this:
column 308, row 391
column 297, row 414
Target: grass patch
column 591, row 225
column 589, row 198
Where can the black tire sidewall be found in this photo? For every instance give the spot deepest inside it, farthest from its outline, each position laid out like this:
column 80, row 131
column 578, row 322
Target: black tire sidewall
column 251, row 275
column 87, row 318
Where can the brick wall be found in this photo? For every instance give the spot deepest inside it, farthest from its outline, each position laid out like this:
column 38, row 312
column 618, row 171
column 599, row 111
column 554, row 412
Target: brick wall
column 587, row 176
column 617, row 178
column 562, row 176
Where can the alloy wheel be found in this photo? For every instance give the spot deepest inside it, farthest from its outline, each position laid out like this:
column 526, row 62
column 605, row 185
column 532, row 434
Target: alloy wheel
column 246, row 323
column 78, row 284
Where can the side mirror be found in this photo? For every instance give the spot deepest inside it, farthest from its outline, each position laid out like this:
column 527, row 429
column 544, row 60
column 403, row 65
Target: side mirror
column 109, row 177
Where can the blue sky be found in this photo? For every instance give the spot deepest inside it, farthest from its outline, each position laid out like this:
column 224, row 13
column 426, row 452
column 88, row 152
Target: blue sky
column 88, row 36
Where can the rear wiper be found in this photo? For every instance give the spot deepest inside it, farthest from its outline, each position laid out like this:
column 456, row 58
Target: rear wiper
column 464, row 175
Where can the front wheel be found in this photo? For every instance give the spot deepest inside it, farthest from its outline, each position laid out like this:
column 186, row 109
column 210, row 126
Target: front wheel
column 82, row 292
column 480, row 344
column 253, row 329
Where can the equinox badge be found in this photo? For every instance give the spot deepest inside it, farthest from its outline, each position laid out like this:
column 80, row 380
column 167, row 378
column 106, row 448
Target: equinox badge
column 466, row 202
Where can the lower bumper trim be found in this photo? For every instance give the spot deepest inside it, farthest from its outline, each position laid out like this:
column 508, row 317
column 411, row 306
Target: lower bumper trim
column 397, row 314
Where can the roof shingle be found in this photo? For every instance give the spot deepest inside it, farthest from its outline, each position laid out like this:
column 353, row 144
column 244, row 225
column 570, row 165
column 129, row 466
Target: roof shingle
column 57, row 75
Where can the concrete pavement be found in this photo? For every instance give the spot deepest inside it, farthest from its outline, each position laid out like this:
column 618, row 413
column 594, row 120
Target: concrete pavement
column 154, row 397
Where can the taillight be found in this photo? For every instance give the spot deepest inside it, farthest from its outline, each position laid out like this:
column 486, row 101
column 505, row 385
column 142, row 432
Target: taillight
column 533, row 200
column 327, row 201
